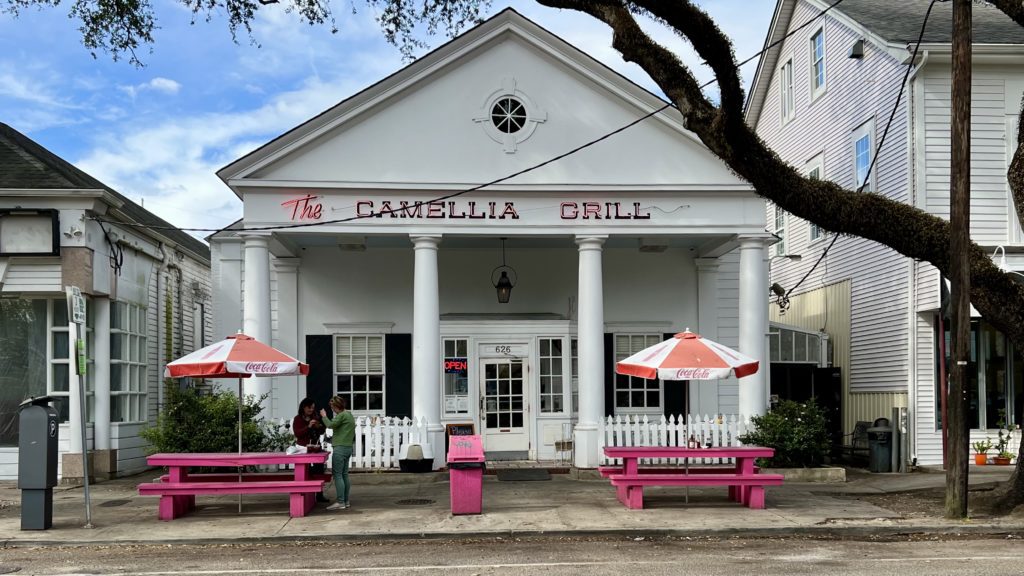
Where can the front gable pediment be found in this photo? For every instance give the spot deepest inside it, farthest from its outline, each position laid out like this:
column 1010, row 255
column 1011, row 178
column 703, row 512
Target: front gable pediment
column 443, row 123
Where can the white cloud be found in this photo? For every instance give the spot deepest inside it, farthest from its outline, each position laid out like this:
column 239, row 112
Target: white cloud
column 158, row 84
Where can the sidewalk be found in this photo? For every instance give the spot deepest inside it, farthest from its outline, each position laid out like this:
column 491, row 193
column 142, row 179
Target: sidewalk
column 394, row 506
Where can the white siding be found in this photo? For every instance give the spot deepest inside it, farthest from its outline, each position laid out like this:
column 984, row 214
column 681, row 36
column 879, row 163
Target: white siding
column 989, row 188
column 858, row 91
column 729, row 325
column 32, row 277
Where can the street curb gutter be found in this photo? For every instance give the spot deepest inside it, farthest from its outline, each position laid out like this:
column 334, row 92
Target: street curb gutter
column 822, row 532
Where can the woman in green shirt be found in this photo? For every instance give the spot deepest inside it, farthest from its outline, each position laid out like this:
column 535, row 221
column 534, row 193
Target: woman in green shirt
column 344, row 426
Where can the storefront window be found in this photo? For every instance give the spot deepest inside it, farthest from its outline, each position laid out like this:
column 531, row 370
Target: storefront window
column 995, row 385
column 456, row 376
column 551, row 375
column 61, row 364
column 575, row 354
column 632, row 393
column 359, row 372
column 127, row 363
column 22, row 360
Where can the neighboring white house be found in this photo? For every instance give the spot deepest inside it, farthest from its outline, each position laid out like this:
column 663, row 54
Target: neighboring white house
column 132, row 279
column 821, row 100
column 389, row 292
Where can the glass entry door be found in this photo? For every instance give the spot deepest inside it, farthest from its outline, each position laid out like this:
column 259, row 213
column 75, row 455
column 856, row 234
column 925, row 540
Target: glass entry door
column 503, row 408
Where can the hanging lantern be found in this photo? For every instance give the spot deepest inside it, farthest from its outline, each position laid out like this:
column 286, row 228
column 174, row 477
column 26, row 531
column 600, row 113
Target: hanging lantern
column 502, row 282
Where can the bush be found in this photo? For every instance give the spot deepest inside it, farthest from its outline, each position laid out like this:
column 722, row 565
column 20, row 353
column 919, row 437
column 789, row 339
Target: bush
column 797, row 431
column 195, row 422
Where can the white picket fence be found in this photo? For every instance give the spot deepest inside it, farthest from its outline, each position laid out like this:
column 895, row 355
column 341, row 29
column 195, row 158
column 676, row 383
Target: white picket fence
column 641, row 430
column 379, row 440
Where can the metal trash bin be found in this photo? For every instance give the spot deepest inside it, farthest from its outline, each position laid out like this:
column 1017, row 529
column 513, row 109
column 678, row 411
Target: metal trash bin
column 466, row 474
column 880, row 446
column 38, row 428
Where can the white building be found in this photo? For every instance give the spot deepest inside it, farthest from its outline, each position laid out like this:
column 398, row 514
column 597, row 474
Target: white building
column 821, row 100
column 388, row 275
column 132, row 279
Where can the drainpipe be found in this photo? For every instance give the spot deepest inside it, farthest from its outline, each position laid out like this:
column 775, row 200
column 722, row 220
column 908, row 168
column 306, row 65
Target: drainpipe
column 160, row 331
column 179, row 278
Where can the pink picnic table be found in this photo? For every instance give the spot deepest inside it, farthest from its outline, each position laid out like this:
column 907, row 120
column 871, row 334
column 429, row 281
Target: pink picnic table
column 746, row 483
column 178, row 488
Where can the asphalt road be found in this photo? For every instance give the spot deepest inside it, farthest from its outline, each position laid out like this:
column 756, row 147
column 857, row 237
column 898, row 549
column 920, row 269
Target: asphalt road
column 552, row 556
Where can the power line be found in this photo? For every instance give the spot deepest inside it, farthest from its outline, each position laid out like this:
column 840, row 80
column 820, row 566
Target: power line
column 492, row 182
column 881, row 141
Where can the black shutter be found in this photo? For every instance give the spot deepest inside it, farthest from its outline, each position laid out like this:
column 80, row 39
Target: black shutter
column 398, row 374
column 320, row 357
column 675, row 393
column 609, row 375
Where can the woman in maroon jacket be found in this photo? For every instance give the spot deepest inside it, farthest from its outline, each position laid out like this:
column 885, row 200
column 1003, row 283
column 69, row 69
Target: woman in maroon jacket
column 307, row 428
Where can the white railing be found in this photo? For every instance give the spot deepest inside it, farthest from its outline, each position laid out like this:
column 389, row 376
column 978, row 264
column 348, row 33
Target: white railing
column 641, row 430
column 379, row 440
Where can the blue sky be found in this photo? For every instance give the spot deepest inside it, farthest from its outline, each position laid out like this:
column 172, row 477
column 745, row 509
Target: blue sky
column 158, row 134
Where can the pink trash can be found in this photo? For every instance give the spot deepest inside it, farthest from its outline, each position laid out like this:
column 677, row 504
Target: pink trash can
column 466, row 474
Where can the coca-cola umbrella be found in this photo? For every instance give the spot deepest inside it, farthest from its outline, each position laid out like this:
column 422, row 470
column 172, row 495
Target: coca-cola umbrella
column 237, row 356
column 687, row 356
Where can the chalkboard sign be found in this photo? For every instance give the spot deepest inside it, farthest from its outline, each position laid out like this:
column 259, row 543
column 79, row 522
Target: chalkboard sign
column 460, row 429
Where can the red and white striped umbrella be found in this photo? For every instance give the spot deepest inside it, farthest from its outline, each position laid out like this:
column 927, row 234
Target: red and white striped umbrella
column 238, row 356
column 687, row 356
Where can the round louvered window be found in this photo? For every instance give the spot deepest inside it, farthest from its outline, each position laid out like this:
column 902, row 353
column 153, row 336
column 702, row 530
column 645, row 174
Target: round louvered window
column 508, row 115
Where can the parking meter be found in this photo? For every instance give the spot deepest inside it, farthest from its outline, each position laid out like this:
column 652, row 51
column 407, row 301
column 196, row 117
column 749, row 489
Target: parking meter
column 37, row 461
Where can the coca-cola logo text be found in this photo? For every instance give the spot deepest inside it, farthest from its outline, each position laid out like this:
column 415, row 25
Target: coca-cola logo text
column 693, row 373
column 262, row 367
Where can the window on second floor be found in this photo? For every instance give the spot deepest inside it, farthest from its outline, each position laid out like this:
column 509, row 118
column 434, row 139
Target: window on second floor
column 786, row 90
column 780, row 231
column 818, row 63
column 815, row 171
column 862, row 151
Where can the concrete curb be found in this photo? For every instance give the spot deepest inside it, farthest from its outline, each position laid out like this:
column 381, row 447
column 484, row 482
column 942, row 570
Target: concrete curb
column 872, row 533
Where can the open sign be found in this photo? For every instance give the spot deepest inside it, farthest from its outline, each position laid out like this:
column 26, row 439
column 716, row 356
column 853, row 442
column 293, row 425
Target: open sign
column 455, row 365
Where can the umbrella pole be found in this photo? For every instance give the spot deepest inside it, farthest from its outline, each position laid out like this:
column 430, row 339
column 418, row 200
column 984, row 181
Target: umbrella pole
column 239, row 439
column 686, row 461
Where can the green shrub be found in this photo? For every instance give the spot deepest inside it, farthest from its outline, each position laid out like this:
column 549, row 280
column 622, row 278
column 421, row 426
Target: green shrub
column 797, row 431
column 195, row 422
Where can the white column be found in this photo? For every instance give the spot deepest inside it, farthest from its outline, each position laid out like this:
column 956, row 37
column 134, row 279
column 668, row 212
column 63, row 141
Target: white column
column 753, row 323
column 256, row 307
column 704, row 393
column 290, row 388
column 101, row 369
column 590, row 334
column 426, row 342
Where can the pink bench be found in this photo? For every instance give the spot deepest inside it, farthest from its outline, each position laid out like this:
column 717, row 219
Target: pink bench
column 745, row 482
column 178, row 489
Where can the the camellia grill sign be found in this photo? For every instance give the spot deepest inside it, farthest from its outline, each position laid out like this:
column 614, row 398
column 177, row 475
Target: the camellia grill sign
column 310, row 208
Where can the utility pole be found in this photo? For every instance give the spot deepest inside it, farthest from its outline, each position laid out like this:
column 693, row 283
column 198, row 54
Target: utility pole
column 959, row 263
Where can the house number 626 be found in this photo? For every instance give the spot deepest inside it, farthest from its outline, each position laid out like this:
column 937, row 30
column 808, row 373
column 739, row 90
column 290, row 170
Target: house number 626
column 503, row 349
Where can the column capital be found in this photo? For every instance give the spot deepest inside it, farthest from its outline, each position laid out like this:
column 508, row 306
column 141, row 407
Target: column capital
column 591, row 242
column 706, row 264
column 748, row 241
column 286, row 265
column 425, row 241
column 255, row 238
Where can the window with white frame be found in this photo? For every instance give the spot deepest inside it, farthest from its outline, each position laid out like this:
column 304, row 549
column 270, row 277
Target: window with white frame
column 780, row 231
column 786, row 90
column 551, row 374
column 862, row 151
column 359, row 372
column 815, row 171
column 818, row 63
column 61, row 365
column 632, row 393
column 456, row 376
column 128, row 381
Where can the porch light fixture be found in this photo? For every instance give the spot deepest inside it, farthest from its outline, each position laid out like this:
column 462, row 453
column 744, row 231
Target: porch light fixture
column 503, row 283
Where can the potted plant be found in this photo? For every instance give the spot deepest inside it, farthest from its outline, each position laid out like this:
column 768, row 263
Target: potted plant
column 1002, row 445
column 981, row 448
